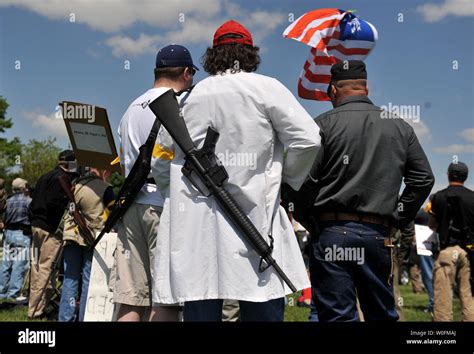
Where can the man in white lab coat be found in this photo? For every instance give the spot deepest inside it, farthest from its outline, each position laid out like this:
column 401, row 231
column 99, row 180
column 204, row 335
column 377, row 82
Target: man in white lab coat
column 265, row 137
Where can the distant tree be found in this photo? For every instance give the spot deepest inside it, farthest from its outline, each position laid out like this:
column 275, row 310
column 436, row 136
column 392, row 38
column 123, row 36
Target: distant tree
column 37, row 158
column 9, row 149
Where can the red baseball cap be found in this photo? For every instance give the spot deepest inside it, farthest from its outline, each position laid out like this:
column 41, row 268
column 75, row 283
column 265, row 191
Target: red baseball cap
column 232, row 32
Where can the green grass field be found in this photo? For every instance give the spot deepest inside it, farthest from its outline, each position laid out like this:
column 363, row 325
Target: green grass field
column 412, row 309
column 413, row 306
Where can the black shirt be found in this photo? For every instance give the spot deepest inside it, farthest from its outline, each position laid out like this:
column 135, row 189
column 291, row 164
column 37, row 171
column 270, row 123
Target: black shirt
column 363, row 158
column 443, row 213
column 49, row 201
column 422, row 218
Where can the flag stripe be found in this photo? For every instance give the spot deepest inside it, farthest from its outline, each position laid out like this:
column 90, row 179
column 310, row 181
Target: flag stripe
column 334, row 35
column 310, row 85
column 348, row 51
column 306, row 21
column 314, row 35
column 351, row 44
column 311, row 94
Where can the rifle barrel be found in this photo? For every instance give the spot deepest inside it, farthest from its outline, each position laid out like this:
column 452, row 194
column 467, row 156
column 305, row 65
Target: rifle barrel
column 245, row 225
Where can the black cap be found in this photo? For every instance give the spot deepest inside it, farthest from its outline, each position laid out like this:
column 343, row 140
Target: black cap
column 458, row 171
column 347, row 70
column 174, row 55
column 67, row 155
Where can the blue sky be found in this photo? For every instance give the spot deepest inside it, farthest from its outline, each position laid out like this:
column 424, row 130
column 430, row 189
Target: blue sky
column 83, row 60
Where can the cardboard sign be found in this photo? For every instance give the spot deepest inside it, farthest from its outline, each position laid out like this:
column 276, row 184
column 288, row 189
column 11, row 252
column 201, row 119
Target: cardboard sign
column 425, row 237
column 100, row 305
column 91, row 138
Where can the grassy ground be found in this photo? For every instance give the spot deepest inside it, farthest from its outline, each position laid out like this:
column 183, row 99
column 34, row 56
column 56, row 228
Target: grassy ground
column 412, row 309
column 413, row 306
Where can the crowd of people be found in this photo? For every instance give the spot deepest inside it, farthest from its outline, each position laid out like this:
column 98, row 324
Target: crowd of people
column 334, row 181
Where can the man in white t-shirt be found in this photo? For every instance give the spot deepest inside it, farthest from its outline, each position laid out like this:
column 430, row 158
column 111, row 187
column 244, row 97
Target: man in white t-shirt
column 138, row 231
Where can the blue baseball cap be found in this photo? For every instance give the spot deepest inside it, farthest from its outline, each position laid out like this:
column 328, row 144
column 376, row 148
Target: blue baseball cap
column 174, row 55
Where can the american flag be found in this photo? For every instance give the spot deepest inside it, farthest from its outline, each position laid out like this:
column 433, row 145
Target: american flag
column 334, row 35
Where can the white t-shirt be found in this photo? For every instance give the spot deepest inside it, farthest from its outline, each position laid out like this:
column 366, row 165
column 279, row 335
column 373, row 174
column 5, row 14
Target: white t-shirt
column 133, row 131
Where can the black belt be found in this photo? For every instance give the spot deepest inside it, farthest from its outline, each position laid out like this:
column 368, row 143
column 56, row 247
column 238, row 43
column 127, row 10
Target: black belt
column 373, row 219
column 15, row 227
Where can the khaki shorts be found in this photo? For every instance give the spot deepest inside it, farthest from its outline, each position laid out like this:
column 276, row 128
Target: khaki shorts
column 135, row 254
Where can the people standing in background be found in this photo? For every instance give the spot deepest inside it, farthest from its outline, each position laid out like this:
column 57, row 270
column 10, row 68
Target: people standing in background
column 452, row 217
column 426, row 263
column 3, row 201
column 17, row 240
column 92, row 195
column 46, row 212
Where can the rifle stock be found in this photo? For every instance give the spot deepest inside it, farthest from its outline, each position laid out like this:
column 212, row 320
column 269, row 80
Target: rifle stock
column 65, row 183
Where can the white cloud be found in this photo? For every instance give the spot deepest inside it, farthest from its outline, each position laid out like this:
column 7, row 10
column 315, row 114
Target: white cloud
column 193, row 31
column 436, row 12
column 422, row 131
column 126, row 46
column 115, row 15
column 186, row 22
column 268, row 20
column 261, row 23
column 455, row 149
column 468, row 135
column 47, row 125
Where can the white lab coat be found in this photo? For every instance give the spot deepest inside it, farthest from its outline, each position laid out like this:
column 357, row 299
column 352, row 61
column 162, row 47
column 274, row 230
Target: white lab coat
column 265, row 134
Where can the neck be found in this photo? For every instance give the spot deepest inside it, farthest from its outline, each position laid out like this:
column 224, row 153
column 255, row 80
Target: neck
column 347, row 95
column 168, row 83
column 453, row 183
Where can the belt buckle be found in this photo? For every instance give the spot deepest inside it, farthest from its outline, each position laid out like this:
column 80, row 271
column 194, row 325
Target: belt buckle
column 388, row 243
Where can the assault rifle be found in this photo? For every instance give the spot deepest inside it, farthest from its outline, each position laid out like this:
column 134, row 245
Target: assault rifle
column 205, row 172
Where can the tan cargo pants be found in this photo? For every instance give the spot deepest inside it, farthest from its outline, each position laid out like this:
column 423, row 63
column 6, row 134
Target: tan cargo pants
column 44, row 247
column 452, row 266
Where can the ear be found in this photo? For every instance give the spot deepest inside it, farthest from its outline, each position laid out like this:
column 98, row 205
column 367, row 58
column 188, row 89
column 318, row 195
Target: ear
column 366, row 90
column 333, row 91
column 105, row 175
column 186, row 74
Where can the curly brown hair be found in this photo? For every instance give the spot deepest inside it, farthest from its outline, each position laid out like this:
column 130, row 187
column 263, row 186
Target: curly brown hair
column 231, row 56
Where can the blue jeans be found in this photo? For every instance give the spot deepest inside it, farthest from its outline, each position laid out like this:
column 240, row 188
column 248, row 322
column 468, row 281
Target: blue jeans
column 313, row 313
column 350, row 260
column 15, row 263
column 211, row 310
column 426, row 267
column 77, row 259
